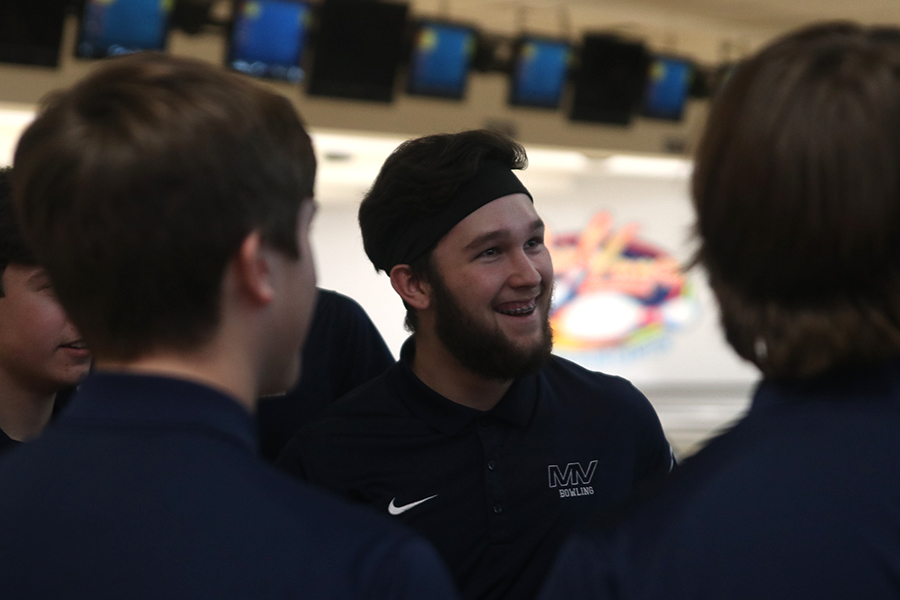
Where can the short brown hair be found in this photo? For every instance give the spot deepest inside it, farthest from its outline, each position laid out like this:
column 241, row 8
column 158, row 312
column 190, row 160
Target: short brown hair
column 137, row 186
column 797, row 194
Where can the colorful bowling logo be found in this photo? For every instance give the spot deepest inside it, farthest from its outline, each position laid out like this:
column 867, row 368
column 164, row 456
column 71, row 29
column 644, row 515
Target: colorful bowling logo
column 616, row 292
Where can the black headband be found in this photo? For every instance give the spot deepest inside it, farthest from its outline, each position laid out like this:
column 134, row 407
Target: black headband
column 493, row 180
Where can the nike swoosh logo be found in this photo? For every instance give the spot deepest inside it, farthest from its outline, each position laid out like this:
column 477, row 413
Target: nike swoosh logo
column 396, row 510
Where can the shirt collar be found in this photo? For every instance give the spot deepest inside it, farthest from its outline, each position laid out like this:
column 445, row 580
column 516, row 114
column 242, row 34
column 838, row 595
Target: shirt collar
column 516, row 407
column 130, row 398
column 881, row 380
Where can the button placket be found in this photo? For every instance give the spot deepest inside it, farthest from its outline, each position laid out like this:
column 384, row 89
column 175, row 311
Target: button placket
column 494, row 493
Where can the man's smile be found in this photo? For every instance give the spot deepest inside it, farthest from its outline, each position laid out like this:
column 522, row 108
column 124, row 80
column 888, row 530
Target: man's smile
column 517, row 309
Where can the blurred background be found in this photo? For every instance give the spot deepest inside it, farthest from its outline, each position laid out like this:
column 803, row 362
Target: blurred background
column 608, row 97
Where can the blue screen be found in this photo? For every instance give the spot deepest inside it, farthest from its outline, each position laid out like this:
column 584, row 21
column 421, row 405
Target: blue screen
column 268, row 38
column 539, row 73
column 440, row 61
column 667, row 86
column 111, row 27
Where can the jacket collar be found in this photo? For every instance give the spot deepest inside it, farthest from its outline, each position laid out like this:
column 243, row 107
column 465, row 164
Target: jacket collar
column 145, row 400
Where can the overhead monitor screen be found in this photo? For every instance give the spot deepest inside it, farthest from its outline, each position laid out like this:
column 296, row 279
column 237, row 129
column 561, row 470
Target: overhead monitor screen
column 112, row 27
column 540, row 69
column 668, row 82
column 441, row 56
column 268, row 37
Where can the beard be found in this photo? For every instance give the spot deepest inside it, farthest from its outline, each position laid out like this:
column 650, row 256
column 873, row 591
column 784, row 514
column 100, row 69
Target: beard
column 482, row 348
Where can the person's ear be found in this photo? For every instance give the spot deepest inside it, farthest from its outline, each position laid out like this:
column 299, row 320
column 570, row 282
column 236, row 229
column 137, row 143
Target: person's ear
column 414, row 291
column 252, row 270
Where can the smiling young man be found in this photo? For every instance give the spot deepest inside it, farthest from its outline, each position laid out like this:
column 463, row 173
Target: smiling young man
column 171, row 203
column 41, row 353
column 478, row 437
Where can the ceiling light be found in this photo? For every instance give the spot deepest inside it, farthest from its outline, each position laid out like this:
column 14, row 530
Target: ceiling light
column 647, row 166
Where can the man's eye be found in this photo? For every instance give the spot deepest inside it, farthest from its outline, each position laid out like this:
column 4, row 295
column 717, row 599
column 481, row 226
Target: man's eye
column 490, row 252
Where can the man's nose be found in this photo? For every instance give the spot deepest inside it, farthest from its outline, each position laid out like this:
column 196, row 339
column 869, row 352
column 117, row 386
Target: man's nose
column 525, row 272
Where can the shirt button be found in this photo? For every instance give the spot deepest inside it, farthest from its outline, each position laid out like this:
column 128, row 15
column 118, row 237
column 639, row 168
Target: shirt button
column 491, row 465
column 498, row 509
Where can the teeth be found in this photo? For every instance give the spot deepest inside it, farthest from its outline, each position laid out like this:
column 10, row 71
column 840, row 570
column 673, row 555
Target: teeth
column 519, row 311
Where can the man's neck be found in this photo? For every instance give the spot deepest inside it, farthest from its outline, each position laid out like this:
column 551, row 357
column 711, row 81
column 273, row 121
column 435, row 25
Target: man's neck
column 442, row 372
column 24, row 411
column 200, row 367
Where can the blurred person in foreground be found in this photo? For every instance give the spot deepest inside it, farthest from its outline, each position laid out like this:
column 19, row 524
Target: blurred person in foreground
column 479, row 437
column 170, row 202
column 41, row 353
column 797, row 197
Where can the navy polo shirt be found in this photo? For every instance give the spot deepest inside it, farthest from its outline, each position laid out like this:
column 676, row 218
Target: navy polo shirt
column 800, row 500
column 342, row 351
column 148, row 487
column 494, row 491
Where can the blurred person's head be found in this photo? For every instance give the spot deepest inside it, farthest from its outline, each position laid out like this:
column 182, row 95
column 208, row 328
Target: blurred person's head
column 156, row 183
column 40, row 350
column 797, row 194
column 457, row 232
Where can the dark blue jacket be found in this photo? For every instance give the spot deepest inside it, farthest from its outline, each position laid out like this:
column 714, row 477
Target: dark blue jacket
column 148, row 487
column 800, row 500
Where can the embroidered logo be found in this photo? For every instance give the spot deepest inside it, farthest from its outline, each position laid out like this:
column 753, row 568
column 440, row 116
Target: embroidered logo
column 573, row 480
column 396, row 510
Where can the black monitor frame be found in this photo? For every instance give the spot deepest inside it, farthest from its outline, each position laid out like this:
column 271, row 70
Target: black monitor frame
column 610, row 80
column 366, row 68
